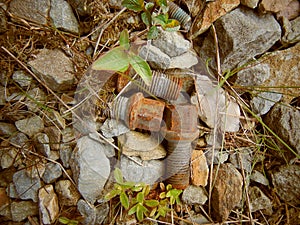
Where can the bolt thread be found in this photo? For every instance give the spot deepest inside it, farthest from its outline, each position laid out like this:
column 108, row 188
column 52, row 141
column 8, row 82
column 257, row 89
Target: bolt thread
column 179, row 14
column 178, row 163
column 163, row 86
column 118, row 109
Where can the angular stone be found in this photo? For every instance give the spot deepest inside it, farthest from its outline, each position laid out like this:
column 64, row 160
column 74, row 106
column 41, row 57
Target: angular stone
column 19, row 140
column 210, row 14
column 67, row 193
column 63, row 17
column 92, row 215
column 54, row 118
column 194, row 195
column 35, row 99
column 242, row 158
column 284, row 121
column 235, row 44
column 184, row 61
column 65, row 153
column 286, row 181
column 258, row 177
column 141, row 171
column 26, row 186
column 22, row 78
column 113, row 128
column 52, row 172
column 263, row 102
column 41, row 142
column 9, row 156
column 219, row 156
column 32, row 10
column 7, row 129
column 227, row 191
column 155, row 57
column 54, row 68
column 199, row 168
column 90, row 167
column 21, row 210
column 290, row 12
column 273, row 6
column 3, row 95
column 250, row 3
column 48, row 204
column 54, row 136
column 292, row 31
column 171, row 43
column 259, row 201
column 30, row 126
column 147, row 147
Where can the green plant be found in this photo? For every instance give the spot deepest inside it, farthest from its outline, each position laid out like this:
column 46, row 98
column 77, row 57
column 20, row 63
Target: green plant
column 153, row 14
column 120, row 58
column 65, row 220
column 135, row 198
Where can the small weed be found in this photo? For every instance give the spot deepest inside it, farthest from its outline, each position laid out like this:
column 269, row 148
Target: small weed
column 65, row 220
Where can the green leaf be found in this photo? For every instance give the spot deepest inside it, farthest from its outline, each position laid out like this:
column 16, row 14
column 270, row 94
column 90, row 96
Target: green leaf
column 172, row 25
column 151, row 203
column 113, row 193
column 140, row 197
column 135, row 5
column 137, row 188
column 114, row 60
column 162, row 195
column 141, row 67
column 132, row 210
column 153, row 211
column 118, row 176
column 161, row 19
column 153, row 33
column 140, row 212
column 124, row 200
column 63, row 220
column 149, row 6
column 73, row 222
column 169, row 187
column 146, row 190
column 124, row 39
column 161, row 2
column 146, row 18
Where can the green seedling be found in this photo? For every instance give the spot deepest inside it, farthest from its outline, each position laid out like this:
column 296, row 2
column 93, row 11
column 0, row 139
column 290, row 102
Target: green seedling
column 65, row 220
column 120, row 58
column 153, row 14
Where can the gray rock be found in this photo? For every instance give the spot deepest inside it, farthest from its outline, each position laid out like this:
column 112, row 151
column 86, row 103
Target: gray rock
column 92, row 215
column 194, row 195
column 171, row 43
column 184, row 61
column 263, row 102
column 21, row 210
column 54, row 136
column 284, row 121
column 35, row 99
column 109, row 150
column 19, row 140
column 7, row 129
column 253, row 75
column 41, row 142
column 68, row 135
column 242, row 156
column 48, row 204
column 227, row 190
column 32, row 10
column 219, row 156
column 259, row 201
column 65, row 153
column 242, row 34
column 54, row 118
column 286, row 181
column 90, row 167
column 259, row 178
column 292, row 32
column 146, row 171
column 146, row 146
column 214, row 108
column 67, row 193
column 23, row 79
column 54, row 68
column 63, row 17
column 155, row 57
column 81, row 7
column 26, row 186
column 30, row 126
column 113, row 128
column 250, row 3
column 9, row 156
column 52, row 172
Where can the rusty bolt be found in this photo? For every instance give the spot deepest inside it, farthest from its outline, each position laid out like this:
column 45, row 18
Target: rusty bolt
column 138, row 112
column 175, row 12
column 180, row 130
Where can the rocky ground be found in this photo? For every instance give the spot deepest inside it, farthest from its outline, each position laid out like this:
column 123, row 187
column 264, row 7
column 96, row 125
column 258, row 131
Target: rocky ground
column 221, row 124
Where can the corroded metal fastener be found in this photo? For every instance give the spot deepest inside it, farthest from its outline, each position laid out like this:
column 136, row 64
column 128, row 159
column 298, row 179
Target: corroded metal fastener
column 179, row 14
column 180, row 130
column 138, row 112
column 162, row 85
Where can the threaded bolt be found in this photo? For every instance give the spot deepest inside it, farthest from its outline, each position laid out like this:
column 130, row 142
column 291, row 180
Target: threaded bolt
column 179, row 14
column 180, row 130
column 162, row 85
column 138, row 112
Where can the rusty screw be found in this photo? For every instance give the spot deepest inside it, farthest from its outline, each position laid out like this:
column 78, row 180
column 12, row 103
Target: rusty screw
column 180, row 130
column 179, row 14
column 138, row 112
column 163, row 86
